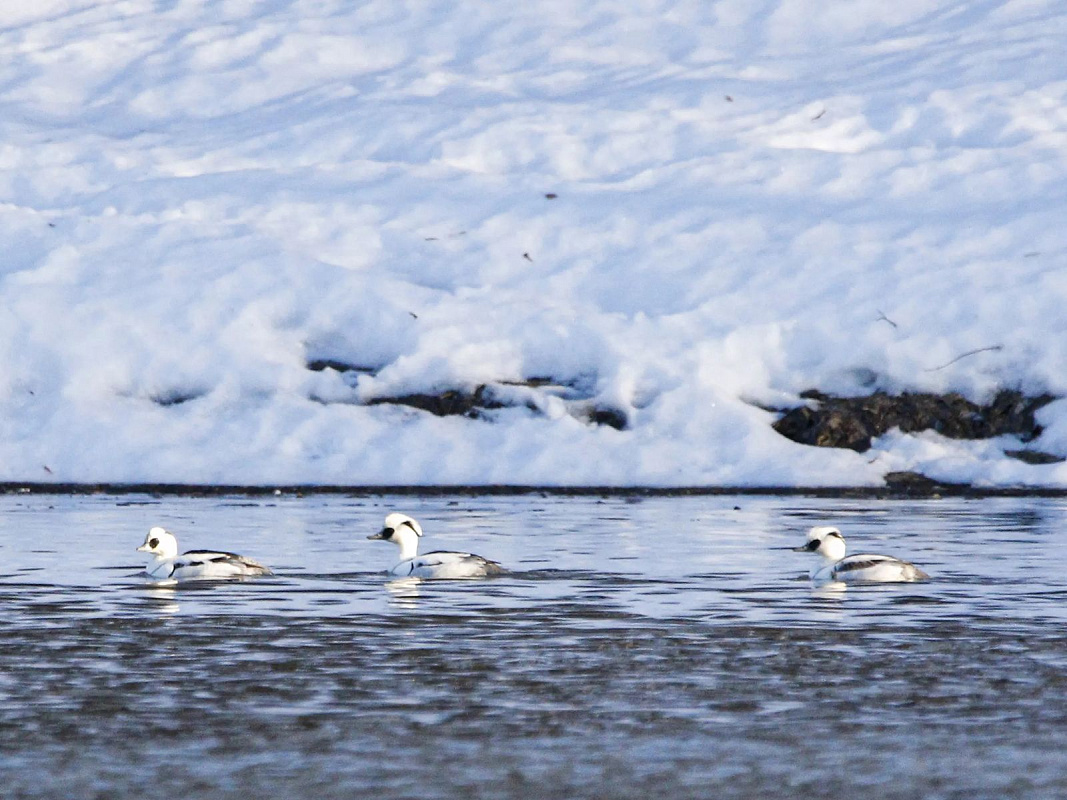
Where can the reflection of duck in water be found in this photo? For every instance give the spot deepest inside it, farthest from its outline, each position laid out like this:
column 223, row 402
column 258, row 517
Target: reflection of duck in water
column 404, row 532
column 404, row 592
column 828, row 542
column 193, row 564
column 161, row 597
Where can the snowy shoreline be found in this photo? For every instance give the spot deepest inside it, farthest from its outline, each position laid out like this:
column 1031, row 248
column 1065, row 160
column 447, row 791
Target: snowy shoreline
column 933, row 491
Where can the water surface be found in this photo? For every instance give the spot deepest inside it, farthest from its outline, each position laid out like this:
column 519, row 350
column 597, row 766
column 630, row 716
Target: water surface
column 639, row 646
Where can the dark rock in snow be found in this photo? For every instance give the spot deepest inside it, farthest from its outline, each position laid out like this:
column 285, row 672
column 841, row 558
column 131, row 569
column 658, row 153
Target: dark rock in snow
column 320, row 364
column 1034, row 457
column 175, row 397
column 915, row 483
column 611, row 417
column 453, row 402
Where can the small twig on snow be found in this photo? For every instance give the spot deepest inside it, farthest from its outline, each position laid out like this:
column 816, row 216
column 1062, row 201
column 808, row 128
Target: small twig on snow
column 968, row 353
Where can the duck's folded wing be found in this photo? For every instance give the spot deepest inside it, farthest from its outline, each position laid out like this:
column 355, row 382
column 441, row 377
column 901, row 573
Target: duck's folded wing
column 879, row 568
column 196, row 558
column 862, row 561
column 437, row 557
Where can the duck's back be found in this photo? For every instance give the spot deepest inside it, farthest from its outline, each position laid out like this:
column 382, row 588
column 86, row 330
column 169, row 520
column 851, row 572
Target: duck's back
column 447, row 564
column 208, row 564
column 874, row 568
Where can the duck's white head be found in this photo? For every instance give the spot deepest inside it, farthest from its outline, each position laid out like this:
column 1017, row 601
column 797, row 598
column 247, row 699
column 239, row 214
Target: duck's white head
column 403, row 531
column 825, row 540
column 160, row 543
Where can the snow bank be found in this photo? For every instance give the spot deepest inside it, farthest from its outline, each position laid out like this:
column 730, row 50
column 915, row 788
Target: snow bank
column 747, row 201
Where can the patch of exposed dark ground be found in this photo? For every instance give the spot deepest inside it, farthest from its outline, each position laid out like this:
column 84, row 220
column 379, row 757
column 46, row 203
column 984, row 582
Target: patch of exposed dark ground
column 532, row 394
column 852, row 422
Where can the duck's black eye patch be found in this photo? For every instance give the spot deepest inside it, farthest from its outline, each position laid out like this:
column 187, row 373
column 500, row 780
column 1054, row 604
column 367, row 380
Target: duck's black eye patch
column 154, row 543
column 813, row 545
column 387, row 532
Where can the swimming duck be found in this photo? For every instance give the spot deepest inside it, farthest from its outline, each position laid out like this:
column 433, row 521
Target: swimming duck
column 828, row 542
column 193, row 564
column 404, row 532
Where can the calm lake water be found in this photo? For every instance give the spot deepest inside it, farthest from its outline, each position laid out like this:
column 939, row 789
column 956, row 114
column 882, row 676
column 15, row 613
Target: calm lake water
column 640, row 647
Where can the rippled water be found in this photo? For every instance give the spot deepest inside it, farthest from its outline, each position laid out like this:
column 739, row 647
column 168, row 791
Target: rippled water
column 639, row 646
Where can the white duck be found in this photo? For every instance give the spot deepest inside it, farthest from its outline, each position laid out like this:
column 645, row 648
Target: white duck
column 403, row 531
column 193, row 564
column 828, row 542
